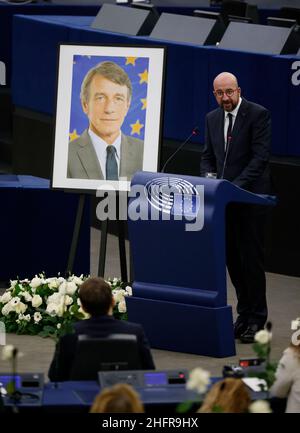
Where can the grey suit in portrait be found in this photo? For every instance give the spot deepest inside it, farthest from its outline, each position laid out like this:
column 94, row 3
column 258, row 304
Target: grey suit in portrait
column 83, row 161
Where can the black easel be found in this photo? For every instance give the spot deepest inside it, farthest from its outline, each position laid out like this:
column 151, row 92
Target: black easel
column 122, row 248
column 103, row 243
column 76, row 231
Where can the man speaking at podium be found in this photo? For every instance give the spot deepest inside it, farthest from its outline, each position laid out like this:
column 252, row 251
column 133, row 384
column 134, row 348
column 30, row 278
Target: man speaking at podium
column 237, row 148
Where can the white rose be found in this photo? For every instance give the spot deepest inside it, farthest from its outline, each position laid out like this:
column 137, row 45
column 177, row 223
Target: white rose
column 129, row 290
column 263, row 336
column 119, row 295
column 7, row 309
column 71, row 288
column 37, row 317
column 62, row 288
column 27, row 296
column 6, row 297
column 60, row 280
column 36, row 301
column 68, row 300
column 122, row 307
column 7, row 352
column 55, row 298
column 20, row 308
column 295, row 324
column 35, row 282
column 199, row 380
column 61, row 309
column 260, row 406
column 52, row 309
column 78, row 281
column 53, row 284
column 55, row 310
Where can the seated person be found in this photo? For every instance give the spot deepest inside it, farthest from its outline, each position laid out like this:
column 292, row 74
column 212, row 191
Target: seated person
column 287, row 383
column 120, row 398
column 229, row 395
column 97, row 300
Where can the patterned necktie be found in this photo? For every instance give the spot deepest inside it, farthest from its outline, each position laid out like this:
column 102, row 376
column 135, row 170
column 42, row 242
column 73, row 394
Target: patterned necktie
column 111, row 163
column 229, row 129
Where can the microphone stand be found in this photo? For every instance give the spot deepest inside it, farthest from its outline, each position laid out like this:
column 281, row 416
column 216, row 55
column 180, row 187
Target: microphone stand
column 226, row 154
column 194, row 132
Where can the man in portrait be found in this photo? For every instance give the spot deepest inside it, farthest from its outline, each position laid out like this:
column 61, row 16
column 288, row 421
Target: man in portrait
column 103, row 151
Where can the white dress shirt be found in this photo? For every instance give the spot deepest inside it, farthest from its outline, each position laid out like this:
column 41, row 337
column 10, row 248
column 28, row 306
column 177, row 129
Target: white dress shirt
column 226, row 119
column 100, row 148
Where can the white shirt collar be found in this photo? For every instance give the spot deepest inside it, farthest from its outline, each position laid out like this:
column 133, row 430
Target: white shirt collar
column 235, row 111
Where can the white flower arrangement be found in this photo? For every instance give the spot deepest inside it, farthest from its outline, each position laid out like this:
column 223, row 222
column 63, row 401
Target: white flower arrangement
column 263, row 336
column 260, row 406
column 49, row 306
column 199, row 380
column 262, row 348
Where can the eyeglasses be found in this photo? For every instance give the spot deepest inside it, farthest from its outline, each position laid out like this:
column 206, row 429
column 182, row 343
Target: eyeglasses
column 228, row 92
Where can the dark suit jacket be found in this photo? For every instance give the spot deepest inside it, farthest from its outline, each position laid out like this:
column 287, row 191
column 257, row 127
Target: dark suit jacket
column 100, row 327
column 247, row 164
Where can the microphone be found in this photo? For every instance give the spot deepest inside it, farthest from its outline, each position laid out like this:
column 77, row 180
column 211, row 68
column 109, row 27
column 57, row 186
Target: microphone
column 226, row 153
column 195, row 131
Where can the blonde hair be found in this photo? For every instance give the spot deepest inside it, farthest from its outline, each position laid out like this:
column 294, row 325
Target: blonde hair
column 120, row 398
column 229, row 396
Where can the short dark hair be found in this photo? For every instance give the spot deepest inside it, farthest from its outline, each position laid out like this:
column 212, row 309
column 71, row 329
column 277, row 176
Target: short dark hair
column 96, row 296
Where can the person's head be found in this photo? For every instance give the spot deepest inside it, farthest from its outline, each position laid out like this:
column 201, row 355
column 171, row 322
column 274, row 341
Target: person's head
column 120, row 398
column 229, row 396
column 227, row 91
column 96, row 297
column 105, row 96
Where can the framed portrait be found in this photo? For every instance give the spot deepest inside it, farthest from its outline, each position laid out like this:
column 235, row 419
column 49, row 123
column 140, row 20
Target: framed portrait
column 108, row 115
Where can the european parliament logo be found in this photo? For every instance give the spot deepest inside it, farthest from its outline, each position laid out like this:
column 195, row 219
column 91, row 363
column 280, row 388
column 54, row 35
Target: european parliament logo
column 177, row 197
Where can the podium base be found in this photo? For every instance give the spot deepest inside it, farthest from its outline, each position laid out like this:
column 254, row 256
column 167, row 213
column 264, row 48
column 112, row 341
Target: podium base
column 183, row 327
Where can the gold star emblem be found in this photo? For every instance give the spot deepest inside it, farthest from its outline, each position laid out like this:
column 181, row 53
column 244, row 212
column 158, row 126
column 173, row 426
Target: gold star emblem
column 144, row 102
column 144, row 77
column 136, row 127
column 130, row 61
column 73, row 135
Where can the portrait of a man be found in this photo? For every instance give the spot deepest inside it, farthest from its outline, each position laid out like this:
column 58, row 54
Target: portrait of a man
column 103, row 151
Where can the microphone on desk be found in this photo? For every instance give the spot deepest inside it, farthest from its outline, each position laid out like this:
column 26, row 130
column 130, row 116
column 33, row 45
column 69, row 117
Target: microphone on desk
column 195, row 131
column 226, row 153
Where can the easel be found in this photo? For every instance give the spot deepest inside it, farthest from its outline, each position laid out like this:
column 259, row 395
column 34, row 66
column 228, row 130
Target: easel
column 103, row 243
